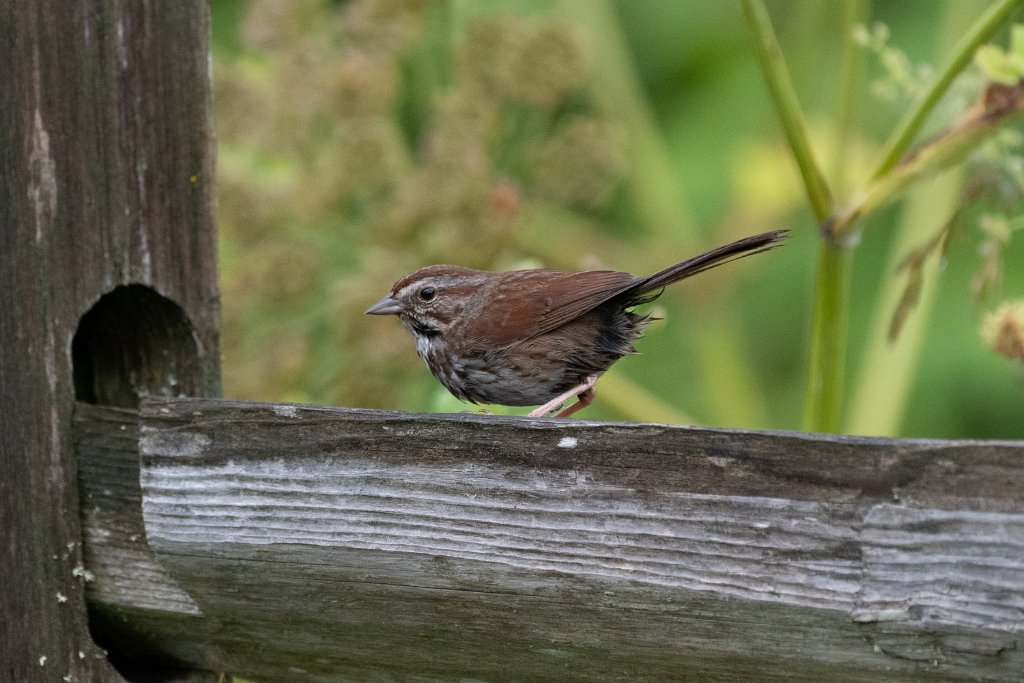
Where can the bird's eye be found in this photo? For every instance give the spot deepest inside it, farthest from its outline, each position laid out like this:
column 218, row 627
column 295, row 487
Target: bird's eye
column 428, row 293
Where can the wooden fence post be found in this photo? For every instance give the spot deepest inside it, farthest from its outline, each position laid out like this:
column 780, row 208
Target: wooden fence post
column 108, row 280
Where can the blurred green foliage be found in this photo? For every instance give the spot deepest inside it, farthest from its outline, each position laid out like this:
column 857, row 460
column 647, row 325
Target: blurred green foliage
column 361, row 140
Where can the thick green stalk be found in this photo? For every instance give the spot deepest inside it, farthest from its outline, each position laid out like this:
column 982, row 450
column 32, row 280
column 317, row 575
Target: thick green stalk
column 827, row 364
column 823, row 409
column 901, row 139
column 827, row 367
column 780, row 88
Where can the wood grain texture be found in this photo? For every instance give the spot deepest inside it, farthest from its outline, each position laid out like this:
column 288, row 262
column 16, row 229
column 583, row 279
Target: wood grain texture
column 106, row 173
column 325, row 543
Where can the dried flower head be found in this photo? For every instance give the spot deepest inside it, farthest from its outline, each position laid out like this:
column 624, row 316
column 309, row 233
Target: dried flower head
column 1002, row 330
column 580, row 164
column 362, row 83
column 270, row 24
column 523, row 62
column 389, row 26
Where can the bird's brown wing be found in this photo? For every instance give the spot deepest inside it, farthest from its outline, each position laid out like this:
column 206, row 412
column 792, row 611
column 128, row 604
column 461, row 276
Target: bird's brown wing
column 516, row 306
column 524, row 304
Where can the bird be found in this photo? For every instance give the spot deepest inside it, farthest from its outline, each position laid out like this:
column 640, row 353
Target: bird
column 536, row 337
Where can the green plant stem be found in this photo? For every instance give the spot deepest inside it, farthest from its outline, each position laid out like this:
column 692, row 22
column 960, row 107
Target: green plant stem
column 823, row 409
column 901, row 139
column 780, row 88
column 827, row 362
column 827, row 366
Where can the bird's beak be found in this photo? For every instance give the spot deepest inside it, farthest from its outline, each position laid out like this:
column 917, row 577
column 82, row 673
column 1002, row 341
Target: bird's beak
column 386, row 306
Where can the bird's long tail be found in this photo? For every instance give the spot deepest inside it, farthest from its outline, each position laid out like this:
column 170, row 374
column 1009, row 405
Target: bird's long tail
column 748, row 246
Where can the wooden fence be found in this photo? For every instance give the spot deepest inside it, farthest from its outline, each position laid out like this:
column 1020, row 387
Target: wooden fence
column 184, row 538
column 304, row 543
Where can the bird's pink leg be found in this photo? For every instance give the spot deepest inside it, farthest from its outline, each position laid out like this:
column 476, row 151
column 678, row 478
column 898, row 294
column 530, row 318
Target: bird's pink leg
column 585, row 399
column 585, row 391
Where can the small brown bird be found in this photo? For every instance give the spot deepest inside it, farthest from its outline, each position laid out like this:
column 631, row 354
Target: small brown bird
column 530, row 337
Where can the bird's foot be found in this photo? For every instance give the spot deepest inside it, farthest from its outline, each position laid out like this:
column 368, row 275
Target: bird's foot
column 584, row 391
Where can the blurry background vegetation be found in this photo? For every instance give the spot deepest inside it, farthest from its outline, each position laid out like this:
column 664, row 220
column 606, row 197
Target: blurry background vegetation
column 360, row 140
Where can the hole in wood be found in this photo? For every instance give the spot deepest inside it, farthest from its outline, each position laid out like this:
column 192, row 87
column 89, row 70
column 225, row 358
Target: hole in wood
column 134, row 343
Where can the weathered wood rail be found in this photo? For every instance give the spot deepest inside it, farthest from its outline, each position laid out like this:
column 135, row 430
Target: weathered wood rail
column 303, row 543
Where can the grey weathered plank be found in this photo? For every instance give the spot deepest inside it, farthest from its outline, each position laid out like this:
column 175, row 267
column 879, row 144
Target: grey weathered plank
column 321, row 543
